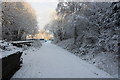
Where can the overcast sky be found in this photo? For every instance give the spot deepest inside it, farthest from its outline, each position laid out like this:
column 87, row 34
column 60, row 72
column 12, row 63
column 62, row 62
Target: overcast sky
column 44, row 9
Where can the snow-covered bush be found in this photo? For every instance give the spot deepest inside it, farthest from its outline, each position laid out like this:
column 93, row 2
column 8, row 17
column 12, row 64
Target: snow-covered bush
column 36, row 44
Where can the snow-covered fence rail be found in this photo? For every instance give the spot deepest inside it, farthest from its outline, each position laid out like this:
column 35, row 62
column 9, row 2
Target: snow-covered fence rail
column 10, row 65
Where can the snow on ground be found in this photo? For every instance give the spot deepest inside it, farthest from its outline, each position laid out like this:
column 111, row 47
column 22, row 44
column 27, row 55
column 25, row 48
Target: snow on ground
column 103, row 60
column 8, row 49
column 51, row 61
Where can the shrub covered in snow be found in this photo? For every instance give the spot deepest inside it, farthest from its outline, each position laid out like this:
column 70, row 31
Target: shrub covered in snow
column 36, row 44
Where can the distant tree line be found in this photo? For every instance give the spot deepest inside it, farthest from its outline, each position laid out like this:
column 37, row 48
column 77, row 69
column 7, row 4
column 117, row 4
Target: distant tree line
column 18, row 20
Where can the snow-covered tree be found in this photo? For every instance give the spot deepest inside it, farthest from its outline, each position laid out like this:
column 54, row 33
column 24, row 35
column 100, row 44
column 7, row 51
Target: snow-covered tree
column 0, row 20
column 18, row 20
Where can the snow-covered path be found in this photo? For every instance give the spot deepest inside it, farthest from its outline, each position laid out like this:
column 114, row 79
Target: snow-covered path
column 51, row 61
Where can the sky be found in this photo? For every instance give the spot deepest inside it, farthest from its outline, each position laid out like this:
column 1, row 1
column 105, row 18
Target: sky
column 44, row 10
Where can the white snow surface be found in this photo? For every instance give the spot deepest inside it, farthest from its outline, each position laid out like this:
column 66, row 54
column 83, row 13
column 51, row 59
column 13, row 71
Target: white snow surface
column 20, row 41
column 51, row 61
column 10, row 49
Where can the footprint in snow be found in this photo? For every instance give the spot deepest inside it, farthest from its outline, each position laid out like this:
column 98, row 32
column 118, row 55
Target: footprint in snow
column 96, row 73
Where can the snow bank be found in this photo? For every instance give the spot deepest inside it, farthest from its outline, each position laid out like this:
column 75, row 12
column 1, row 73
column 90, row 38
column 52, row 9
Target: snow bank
column 104, row 60
column 6, row 49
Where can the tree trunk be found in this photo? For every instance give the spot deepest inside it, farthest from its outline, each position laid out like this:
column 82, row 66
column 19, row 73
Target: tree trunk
column 75, row 35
